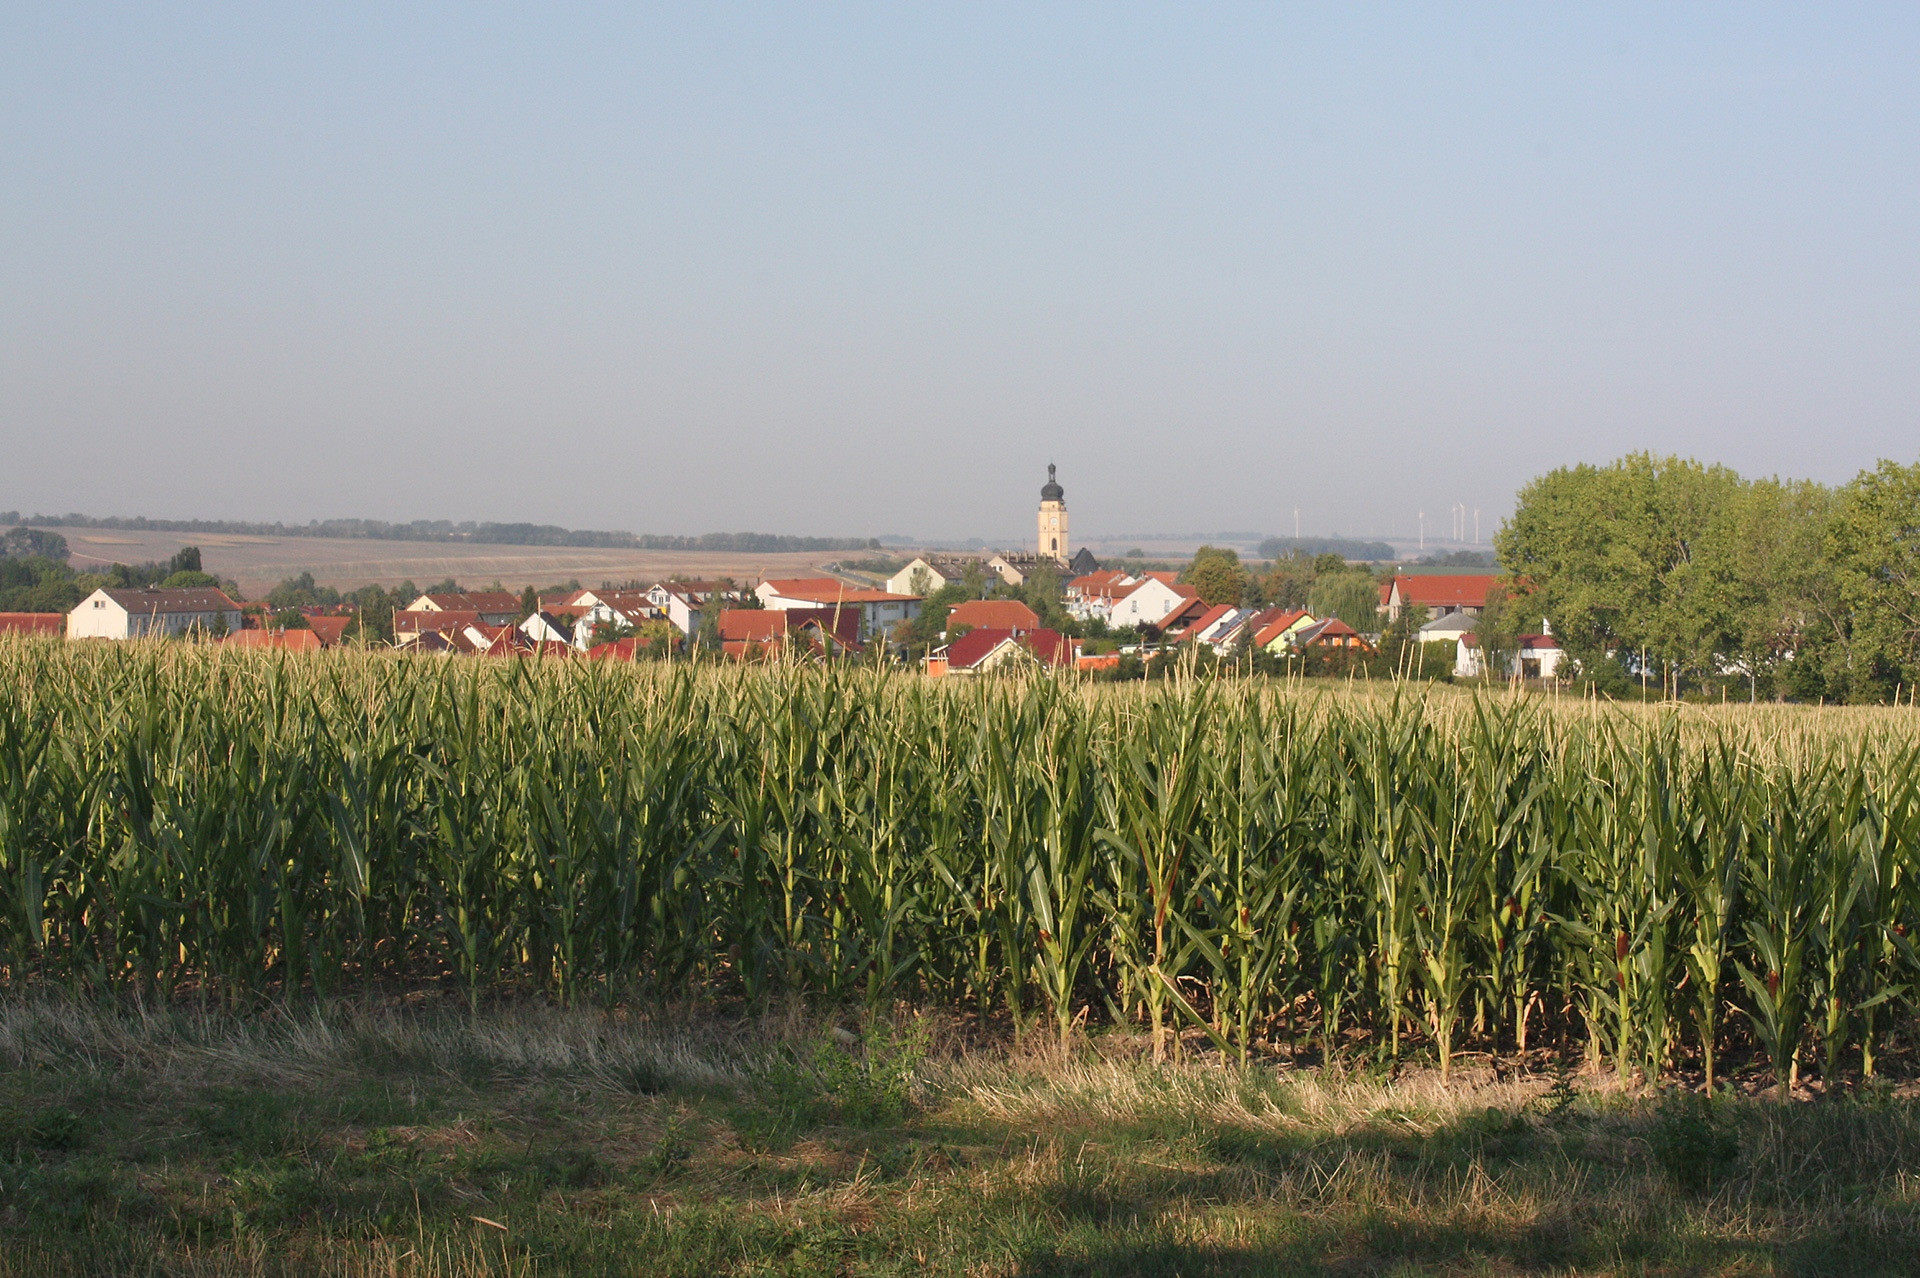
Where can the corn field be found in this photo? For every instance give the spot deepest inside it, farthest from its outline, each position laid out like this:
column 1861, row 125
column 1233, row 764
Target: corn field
column 1267, row 866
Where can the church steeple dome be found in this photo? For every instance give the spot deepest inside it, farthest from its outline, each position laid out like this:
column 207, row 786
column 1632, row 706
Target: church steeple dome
column 1052, row 491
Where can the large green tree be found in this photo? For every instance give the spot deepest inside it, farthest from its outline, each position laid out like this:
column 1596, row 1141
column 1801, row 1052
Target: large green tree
column 1873, row 542
column 1640, row 558
column 1217, row 575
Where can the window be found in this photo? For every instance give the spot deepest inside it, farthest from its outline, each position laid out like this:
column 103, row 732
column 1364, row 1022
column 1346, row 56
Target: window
column 99, row 603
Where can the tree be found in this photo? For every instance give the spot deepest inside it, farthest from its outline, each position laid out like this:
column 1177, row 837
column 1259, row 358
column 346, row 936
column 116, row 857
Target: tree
column 973, row 579
column 1044, row 593
column 1398, row 640
column 1289, row 581
column 31, row 543
column 1217, row 575
column 1873, row 544
column 1641, row 556
column 1351, row 595
column 185, row 559
column 1497, row 631
column 529, row 602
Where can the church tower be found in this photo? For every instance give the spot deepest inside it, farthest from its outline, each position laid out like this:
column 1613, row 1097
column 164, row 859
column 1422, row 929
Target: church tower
column 1053, row 520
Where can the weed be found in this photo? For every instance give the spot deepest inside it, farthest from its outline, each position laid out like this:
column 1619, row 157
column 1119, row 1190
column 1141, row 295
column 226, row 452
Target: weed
column 1694, row 1139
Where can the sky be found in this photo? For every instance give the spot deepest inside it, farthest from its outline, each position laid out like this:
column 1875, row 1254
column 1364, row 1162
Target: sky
column 844, row 269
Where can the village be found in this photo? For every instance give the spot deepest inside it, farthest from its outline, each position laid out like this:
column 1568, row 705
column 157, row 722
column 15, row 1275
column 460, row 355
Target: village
column 948, row 614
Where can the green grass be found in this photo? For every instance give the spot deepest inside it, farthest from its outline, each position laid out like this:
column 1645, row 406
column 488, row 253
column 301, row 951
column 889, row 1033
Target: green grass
column 364, row 1140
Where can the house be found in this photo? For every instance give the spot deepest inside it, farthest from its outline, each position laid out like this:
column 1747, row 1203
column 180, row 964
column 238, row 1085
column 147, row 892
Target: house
column 1177, row 625
column 992, row 614
column 132, row 614
column 1536, row 656
column 411, row 624
column 684, row 603
column 51, row 625
column 1150, row 600
column 544, row 627
column 1332, row 633
column 927, row 573
column 879, row 610
column 1539, row 656
column 1276, row 628
column 1448, row 627
column 753, row 632
column 1438, row 593
column 1091, row 595
column 1220, row 627
column 978, row 651
column 495, row 607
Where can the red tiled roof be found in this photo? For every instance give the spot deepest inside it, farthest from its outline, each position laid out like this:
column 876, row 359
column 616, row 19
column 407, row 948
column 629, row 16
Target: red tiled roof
column 617, row 650
column 826, row 590
column 1445, row 590
column 768, row 626
column 752, row 625
column 1184, row 616
column 283, row 640
column 407, row 622
column 993, row 614
column 1278, row 620
column 1210, row 616
column 33, row 623
column 1095, row 584
column 970, row 649
column 330, row 629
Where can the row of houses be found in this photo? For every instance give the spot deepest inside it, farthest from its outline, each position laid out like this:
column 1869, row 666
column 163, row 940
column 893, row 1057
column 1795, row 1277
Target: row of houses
column 823, row 615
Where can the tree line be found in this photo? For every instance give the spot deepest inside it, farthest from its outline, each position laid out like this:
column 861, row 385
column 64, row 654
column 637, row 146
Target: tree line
column 1664, row 571
column 484, row 533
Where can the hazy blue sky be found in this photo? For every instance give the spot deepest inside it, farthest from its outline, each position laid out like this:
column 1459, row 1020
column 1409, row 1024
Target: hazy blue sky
column 866, row 269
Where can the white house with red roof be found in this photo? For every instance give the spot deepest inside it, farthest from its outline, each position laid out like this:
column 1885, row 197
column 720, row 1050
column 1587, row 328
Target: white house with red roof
column 880, row 610
column 993, row 648
column 1276, row 627
column 1538, row 656
column 1149, row 601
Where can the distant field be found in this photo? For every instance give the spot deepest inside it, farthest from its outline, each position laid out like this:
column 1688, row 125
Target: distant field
column 257, row 563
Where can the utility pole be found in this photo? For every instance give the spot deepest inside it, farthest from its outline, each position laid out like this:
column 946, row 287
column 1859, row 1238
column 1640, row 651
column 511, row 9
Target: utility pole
column 1423, row 532
column 1476, row 525
column 1296, row 523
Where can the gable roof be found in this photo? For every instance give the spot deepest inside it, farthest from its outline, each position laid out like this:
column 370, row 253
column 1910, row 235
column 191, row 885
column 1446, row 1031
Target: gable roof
column 144, row 602
column 769, row 626
column 330, row 629
column 974, row 647
column 827, row 590
column 282, row 640
column 993, row 614
column 407, row 621
column 492, row 601
column 1445, row 590
column 1185, row 615
column 1094, row 584
column 33, row 623
column 1277, row 622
